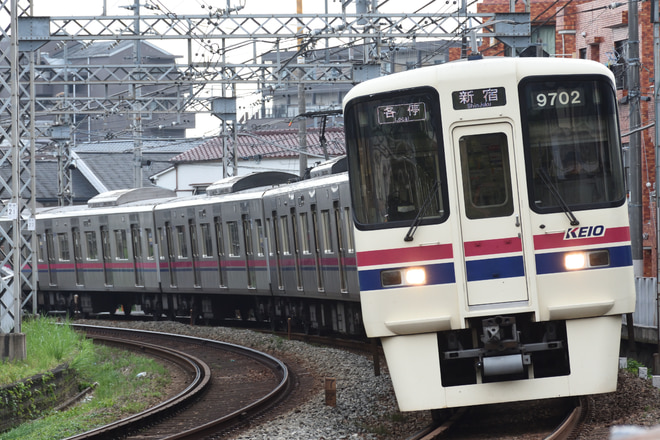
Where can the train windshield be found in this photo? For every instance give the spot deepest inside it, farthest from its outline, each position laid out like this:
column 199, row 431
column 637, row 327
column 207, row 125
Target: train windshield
column 395, row 166
column 572, row 148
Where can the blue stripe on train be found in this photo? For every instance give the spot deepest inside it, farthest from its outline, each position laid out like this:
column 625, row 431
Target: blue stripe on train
column 620, row 256
column 442, row 273
column 495, row 268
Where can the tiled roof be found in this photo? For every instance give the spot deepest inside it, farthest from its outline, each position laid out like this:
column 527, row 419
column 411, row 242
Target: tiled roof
column 268, row 144
column 45, row 180
column 148, row 146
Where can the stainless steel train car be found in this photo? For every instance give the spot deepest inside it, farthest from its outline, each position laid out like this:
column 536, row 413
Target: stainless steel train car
column 255, row 247
column 492, row 235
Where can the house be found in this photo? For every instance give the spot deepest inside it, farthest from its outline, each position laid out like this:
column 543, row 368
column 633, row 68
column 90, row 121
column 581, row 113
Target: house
column 193, row 171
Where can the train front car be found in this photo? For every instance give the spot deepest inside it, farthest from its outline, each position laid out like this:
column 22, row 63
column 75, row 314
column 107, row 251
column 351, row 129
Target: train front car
column 492, row 232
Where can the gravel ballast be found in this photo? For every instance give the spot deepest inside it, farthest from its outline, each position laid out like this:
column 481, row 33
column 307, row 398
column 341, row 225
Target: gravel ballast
column 366, row 407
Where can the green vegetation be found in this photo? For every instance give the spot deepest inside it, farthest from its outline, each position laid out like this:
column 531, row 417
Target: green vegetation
column 633, row 367
column 119, row 393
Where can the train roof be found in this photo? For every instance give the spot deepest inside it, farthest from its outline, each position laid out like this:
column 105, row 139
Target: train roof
column 463, row 73
column 325, row 180
column 249, row 181
column 126, row 196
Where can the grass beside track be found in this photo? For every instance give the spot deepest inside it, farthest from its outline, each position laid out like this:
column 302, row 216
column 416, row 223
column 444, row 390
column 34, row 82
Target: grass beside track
column 126, row 383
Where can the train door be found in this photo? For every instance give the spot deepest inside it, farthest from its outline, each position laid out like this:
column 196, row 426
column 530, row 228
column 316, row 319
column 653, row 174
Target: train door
column 489, row 215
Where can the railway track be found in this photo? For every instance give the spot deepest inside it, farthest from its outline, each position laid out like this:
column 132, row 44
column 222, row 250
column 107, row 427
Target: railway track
column 553, row 419
column 228, row 385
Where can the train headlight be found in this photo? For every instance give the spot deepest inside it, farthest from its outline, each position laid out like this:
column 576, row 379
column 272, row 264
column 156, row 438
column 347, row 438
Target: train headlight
column 416, row 276
column 413, row 276
column 575, row 260
column 584, row 260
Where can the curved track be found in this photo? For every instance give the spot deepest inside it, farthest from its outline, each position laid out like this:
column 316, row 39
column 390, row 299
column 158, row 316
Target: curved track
column 228, row 385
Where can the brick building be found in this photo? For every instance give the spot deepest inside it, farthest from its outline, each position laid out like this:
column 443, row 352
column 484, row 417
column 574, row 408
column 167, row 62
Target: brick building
column 597, row 30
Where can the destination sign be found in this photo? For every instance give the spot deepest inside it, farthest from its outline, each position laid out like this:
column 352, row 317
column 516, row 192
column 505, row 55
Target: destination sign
column 401, row 113
column 478, row 98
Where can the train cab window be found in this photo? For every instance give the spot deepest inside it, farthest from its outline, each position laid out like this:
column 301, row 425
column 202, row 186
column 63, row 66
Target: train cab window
column 486, row 176
column 572, row 147
column 234, row 239
column 207, row 240
column 396, row 164
column 121, row 245
column 63, row 246
column 92, row 246
column 181, row 241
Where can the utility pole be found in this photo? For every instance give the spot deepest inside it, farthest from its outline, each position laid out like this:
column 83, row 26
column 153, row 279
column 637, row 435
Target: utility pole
column 302, row 104
column 137, row 94
column 635, row 139
column 635, row 155
column 656, row 80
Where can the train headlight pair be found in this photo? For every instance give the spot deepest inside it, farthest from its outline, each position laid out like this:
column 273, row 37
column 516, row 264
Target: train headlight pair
column 584, row 260
column 413, row 276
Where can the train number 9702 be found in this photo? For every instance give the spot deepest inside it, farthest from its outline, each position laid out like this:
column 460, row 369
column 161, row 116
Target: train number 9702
column 563, row 98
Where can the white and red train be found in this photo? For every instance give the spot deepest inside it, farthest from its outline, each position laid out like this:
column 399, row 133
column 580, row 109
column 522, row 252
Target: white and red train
column 481, row 233
column 492, row 234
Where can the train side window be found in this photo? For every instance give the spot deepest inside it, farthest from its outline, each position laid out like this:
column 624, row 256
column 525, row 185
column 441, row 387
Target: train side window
column 92, row 246
column 304, row 234
column 121, row 245
column 136, row 238
column 284, row 230
column 277, row 250
column 181, row 241
column 63, row 245
column 220, row 249
column 207, row 241
column 261, row 246
column 320, row 282
column 42, row 245
column 193, row 239
column 348, row 227
column 234, row 239
column 150, row 243
column 219, row 237
column 326, row 229
column 162, row 241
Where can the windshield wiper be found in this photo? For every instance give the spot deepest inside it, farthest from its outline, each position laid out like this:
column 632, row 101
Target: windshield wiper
column 555, row 193
column 427, row 202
